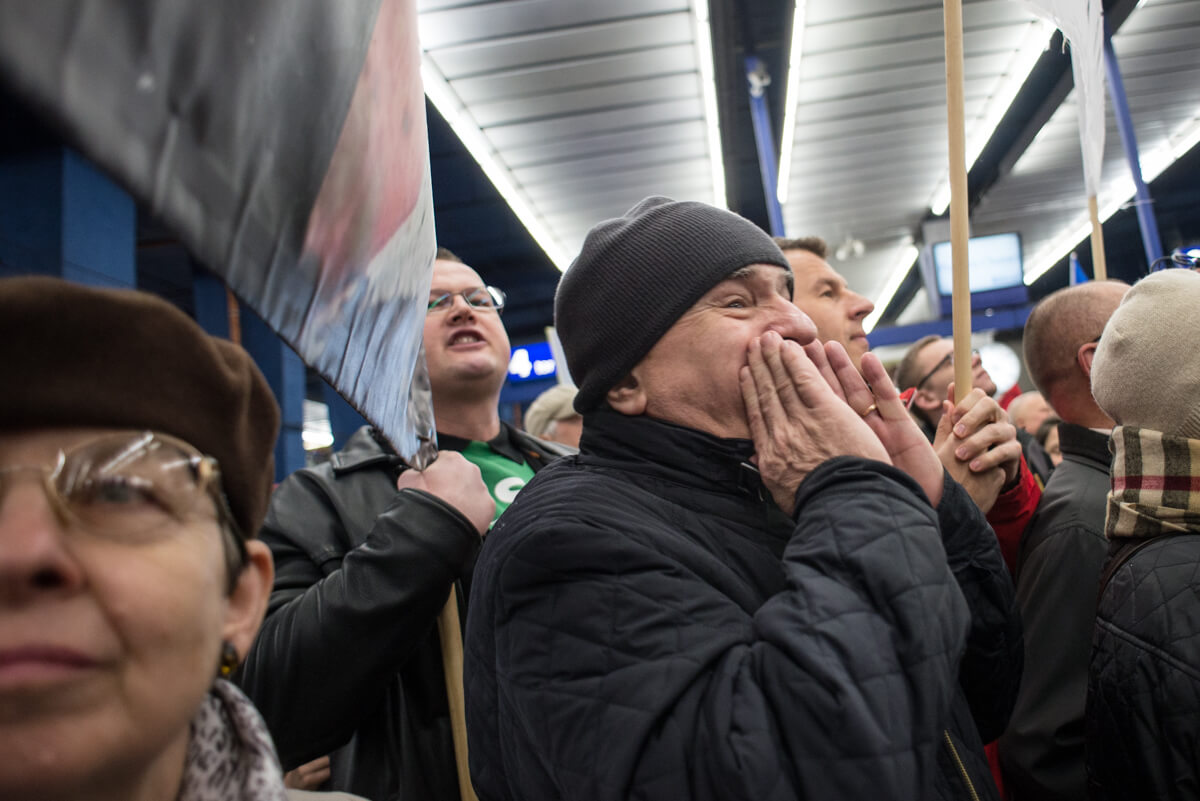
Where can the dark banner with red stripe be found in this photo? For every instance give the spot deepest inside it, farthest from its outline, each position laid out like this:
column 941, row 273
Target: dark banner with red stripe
column 285, row 144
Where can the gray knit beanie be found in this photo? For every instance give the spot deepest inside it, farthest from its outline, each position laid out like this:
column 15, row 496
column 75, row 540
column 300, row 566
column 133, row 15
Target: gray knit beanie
column 636, row 275
column 1146, row 372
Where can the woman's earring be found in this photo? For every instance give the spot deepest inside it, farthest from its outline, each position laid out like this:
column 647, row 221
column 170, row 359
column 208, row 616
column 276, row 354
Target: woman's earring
column 229, row 660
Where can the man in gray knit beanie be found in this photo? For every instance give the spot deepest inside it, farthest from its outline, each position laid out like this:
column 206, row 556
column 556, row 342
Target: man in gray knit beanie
column 637, row 274
column 731, row 556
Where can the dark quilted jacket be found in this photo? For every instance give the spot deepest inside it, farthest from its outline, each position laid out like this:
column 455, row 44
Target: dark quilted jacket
column 1143, row 702
column 645, row 625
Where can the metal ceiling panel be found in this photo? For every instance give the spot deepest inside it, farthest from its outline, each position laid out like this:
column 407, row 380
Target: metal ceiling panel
column 565, row 194
column 573, row 99
column 603, row 202
column 623, row 94
column 611, row 163
column 489, row 21
column 583, row 125
column 577, row 75
column 676, row 133
column 549, row 47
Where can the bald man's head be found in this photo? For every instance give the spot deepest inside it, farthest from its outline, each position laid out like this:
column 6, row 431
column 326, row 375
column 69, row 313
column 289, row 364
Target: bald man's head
column 1060, row 338
column 1028, row 410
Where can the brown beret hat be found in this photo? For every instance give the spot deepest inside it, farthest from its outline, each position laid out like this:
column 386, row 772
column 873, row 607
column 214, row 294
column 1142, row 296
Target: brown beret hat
column 78, row 356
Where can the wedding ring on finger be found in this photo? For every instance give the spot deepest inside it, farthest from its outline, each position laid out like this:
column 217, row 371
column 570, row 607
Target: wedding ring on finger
column 868, row 410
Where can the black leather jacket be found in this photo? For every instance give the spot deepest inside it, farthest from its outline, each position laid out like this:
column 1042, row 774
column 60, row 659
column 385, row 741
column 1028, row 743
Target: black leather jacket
column 348, row 661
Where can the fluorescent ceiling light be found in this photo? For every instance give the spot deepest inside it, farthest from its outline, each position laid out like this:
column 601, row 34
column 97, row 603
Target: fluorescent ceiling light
column 980, row 130
column 708, row 86
column 316, row 432
column 792, row 101
column 908, row 256
column 447, row 102
column 1113, row 197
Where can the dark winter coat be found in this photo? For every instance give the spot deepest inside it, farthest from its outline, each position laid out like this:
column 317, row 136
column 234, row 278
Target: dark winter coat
column 348, row 661
column 646, row 623
column 1143, row 702
column 1060, row 560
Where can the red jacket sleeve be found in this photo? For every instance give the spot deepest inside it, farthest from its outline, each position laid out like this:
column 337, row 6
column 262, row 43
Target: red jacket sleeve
column 1012, row 512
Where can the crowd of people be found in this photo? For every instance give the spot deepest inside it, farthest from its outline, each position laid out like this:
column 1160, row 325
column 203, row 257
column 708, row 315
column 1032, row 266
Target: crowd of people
column 737, row 559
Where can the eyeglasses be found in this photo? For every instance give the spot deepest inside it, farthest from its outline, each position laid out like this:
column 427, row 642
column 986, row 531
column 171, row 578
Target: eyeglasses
column 487, row 298
column 947, row 359
column 129, row 487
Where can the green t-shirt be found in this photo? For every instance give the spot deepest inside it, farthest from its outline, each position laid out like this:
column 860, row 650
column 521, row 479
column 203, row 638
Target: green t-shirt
column 504, row 477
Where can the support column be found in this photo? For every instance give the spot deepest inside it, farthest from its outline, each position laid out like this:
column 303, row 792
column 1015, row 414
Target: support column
column 1147, row 224
column 61, row 216
column 757, row 81
column 286, row 374
column 283, row 369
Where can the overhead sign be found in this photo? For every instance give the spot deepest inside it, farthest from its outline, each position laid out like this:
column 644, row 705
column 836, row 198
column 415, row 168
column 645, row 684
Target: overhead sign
column 531, row 362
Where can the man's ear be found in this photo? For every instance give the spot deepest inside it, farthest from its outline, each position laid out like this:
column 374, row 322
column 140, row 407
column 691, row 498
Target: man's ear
column 1084, row 356
column 627, row 396
column 247, row 604
column 927, row 401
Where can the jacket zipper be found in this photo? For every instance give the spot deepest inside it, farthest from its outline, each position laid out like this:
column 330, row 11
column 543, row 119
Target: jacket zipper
column 961, row 767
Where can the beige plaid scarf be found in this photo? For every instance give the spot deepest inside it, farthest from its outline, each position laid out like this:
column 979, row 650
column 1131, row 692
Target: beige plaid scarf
column 1155, row 484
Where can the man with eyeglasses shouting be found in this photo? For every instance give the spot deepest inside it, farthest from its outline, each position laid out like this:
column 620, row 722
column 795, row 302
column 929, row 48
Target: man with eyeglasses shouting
column 349, row 663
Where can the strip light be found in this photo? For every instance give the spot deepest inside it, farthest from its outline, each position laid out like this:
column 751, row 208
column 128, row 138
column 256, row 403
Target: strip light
column 792, row 102
column 708, row 84
column 456, row 114
column 1115, row 196
column 908, row 257
column 1034, row 43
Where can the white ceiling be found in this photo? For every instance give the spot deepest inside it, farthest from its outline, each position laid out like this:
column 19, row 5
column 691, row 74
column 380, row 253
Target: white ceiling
column 586, row 107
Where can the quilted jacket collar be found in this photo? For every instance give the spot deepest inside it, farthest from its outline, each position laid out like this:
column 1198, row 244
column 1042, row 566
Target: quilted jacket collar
column 676, row 453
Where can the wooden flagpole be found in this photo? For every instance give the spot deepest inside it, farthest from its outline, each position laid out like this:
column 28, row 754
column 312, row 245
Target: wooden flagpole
column 235, row 317
column 961, row 289
column 450, row 633
column 1099, row 265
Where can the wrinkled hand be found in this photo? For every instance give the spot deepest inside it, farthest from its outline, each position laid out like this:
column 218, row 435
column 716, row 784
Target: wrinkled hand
column 978, row 446
column 457, row 482
column 308, row 776
column 796, row 420
column 901, row 436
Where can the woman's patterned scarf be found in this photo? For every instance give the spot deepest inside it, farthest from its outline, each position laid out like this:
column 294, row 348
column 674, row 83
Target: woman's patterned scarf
column 1155, row 484
column 230, row 756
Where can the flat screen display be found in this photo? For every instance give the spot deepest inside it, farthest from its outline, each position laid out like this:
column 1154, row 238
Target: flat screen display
column 995, row 263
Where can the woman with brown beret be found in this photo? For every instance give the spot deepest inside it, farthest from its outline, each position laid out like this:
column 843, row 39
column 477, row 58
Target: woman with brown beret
column 135, row 465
